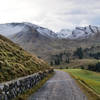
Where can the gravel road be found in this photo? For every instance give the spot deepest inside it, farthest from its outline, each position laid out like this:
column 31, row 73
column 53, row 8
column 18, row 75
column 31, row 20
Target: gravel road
column 60, row 87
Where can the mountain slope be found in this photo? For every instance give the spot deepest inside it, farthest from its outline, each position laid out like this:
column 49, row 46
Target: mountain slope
column 16, row 62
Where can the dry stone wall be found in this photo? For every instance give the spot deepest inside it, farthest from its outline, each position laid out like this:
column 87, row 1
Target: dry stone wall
column 12, row 89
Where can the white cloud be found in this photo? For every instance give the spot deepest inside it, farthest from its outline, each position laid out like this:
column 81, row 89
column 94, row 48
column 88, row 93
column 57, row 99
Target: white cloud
column 84, row 23
column 53, row 14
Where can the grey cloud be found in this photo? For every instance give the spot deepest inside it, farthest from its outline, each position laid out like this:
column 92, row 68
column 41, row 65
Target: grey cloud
column 53, row 14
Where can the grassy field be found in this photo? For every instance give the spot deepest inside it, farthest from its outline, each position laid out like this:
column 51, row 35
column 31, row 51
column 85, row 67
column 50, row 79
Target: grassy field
column 92, row 79
column 78, row 63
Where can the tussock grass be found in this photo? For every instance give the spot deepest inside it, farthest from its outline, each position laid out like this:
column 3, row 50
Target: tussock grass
column 16, row 62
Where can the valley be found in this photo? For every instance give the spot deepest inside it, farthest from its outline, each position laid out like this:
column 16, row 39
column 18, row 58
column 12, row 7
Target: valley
column 49, row 50
column 35, row 50
column 45, row 43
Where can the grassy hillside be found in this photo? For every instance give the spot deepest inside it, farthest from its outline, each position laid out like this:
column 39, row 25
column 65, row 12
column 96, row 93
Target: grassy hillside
column 92, row 79
column 16, row 62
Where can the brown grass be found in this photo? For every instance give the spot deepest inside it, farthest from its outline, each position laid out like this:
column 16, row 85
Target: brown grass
column 16, row 62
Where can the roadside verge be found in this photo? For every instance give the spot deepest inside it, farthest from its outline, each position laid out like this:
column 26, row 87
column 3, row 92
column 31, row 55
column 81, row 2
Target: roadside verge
column 92, row 95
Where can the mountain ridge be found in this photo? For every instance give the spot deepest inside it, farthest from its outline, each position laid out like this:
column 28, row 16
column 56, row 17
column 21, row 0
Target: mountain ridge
column 77, row 33
column 80, row 32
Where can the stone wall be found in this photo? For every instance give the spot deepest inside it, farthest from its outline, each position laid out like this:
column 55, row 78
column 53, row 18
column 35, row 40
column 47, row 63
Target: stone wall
column 11, row 89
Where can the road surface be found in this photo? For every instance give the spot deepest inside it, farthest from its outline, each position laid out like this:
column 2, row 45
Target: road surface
column 60, row 87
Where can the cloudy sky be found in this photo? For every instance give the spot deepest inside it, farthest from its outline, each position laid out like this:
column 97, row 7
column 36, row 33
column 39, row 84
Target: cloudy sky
column 53, row 14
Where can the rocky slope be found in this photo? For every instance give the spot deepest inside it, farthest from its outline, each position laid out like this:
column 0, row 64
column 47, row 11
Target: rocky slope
column 16, row 62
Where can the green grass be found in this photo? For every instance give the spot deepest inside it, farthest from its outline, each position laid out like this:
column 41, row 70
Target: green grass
column 91, row 79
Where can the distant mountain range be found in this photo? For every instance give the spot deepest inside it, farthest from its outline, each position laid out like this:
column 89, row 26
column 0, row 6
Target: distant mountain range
column 77, row 33
column 44, row 42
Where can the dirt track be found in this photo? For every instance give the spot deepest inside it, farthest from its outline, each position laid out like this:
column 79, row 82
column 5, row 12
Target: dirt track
column 60, row 87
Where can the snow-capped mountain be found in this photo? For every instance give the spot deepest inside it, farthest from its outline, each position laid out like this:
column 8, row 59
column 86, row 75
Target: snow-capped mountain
column 42, row 30
column 14, row 28
column 79, row 32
